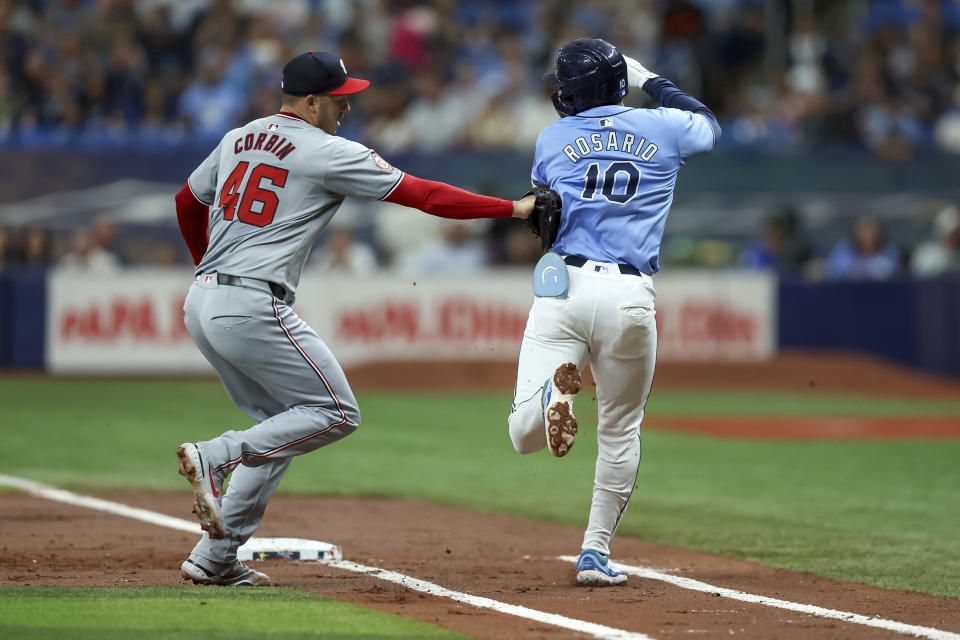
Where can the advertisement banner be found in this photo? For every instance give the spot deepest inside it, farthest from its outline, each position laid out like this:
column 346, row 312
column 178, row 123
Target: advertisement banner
column 716, row 315
column 133, row 321
column 127, row 322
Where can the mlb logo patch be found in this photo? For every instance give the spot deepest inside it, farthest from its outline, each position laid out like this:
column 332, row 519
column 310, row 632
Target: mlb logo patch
column 273, row 126
column 606, row 122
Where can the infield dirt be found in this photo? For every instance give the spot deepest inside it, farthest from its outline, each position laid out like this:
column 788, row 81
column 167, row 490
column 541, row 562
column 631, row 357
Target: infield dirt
column 507, row 559
column 827, row 373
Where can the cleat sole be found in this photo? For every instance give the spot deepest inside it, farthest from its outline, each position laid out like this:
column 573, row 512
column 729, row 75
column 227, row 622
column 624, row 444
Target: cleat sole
column 561, row 425
column 205, row 506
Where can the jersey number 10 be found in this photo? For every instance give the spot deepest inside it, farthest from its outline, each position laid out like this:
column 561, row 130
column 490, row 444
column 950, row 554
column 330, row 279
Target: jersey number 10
column 609, row 185
column 252, row 193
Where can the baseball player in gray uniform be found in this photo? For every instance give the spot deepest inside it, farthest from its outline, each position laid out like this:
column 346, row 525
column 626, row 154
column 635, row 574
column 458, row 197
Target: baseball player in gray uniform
column 250, row 214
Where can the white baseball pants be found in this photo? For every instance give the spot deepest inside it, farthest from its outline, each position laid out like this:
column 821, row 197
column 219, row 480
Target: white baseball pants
column 607, row 320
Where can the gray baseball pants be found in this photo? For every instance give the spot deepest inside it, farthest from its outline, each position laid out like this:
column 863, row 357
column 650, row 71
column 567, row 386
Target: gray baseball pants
column 278, row 371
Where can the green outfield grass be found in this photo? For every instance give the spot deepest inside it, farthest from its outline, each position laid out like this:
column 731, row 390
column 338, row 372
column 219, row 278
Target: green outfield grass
column 738, row 403
column 881, row 512
column 186, row 612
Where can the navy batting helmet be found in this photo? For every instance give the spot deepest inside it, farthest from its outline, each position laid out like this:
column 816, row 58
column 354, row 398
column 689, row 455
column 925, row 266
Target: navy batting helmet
column 590, row 72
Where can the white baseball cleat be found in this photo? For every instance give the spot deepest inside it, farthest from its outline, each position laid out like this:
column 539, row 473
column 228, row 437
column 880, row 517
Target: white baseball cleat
column 237, row 575
column 206, row 494
column 558, row 418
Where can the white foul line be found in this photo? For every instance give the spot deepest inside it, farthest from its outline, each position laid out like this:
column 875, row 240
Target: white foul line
column 116, row 508
column 695, row 585
column 596, row 630
column 590, row 628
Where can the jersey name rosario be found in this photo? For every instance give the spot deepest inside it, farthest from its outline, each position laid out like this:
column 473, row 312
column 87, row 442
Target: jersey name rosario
column 610, row 142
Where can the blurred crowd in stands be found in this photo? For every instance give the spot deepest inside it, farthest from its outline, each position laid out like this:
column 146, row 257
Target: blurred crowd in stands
column 785, row 75
column 455, row 248
column 415, row 245
column 867, row 254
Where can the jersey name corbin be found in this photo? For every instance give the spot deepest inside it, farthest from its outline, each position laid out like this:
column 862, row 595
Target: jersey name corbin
column 276, row 145
column 610, row 142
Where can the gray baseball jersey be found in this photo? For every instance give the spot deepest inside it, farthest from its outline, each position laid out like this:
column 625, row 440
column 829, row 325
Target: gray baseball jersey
column 273, row 185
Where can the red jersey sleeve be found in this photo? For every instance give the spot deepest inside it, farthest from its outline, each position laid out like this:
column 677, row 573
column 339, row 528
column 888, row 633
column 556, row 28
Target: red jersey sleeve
column 441, row 199
column 192, row 218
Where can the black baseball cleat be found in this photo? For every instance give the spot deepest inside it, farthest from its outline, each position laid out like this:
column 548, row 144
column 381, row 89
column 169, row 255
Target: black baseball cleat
column 206, row 502
column 558, row 420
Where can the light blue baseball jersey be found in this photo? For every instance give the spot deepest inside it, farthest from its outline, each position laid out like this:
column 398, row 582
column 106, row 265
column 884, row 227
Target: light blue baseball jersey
column 615, row 169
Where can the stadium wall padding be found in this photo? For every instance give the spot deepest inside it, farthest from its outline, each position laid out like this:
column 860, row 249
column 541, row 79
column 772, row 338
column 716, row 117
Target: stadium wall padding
column 911, row 322
column 915, row 323
column 23, row 319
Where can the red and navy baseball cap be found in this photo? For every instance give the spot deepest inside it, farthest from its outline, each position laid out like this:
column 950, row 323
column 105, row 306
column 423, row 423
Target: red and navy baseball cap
column 319, row 72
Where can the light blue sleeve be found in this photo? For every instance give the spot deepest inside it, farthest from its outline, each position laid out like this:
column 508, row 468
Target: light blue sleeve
column 538, row 174
column 694, row 133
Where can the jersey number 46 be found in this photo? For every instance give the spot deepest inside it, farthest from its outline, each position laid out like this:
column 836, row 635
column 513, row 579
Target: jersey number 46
column 252, row 194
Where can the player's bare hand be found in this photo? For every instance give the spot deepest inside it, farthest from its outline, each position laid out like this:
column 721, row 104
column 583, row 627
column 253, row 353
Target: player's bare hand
column 523, row 207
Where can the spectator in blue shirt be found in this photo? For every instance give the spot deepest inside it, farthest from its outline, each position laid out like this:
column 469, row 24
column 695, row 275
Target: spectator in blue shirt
column 866, row 256
column 783, row 246
column 211, row 105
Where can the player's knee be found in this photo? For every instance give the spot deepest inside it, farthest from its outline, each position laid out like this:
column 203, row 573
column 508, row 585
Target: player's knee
column 522, row 447
column 349, row 410
column 349, row 419
column 517, row 442
column 345, row 418
column 352, row 416
column 524, row 440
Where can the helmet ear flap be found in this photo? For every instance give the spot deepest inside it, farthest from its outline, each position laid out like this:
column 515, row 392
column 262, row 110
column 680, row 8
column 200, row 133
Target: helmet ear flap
column 564, row 106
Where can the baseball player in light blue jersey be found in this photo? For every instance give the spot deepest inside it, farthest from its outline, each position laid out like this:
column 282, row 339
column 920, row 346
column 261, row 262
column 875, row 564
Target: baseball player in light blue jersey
column 615, row 169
